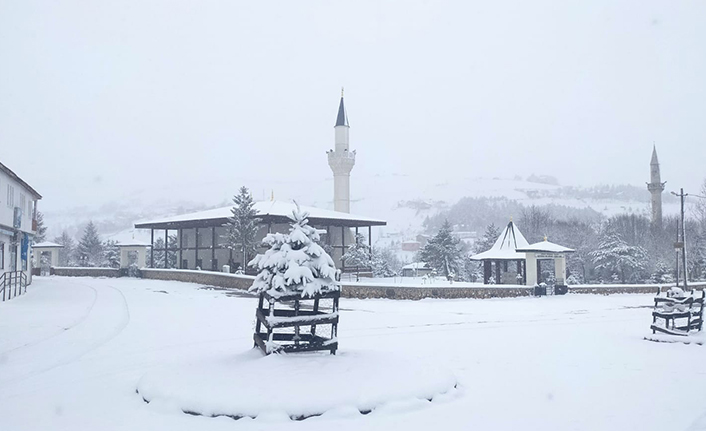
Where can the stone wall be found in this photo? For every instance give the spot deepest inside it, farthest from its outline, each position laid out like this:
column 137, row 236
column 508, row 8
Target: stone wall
column 85, row 272
column 415, row 293
column 361, row 290
column 220, row 279
column 603, row 289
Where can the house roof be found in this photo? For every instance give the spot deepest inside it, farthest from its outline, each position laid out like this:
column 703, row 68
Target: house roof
column 416, row 265
column 545, row 247
column 15, row 177
column 47, row 244
column 505, row 247
column 267, row 212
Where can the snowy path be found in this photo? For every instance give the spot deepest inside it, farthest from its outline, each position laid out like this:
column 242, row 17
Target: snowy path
column 72, row 351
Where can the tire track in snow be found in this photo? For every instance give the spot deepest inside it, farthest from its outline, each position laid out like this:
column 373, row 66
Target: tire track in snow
column 77, row 322
column 123, row 317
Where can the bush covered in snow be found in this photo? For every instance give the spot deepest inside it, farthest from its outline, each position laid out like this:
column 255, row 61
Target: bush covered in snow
column 295, row 263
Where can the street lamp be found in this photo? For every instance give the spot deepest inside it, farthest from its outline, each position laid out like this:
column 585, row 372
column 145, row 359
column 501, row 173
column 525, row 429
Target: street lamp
column 681, row 244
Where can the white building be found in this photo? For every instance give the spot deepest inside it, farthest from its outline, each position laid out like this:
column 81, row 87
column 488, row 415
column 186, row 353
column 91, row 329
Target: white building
column 18, row 223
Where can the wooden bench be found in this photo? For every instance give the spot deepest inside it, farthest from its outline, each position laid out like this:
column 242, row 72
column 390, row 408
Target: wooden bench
column 678, row 315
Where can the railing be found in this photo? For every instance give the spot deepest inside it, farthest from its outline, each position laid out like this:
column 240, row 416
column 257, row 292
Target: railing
column 12, row 284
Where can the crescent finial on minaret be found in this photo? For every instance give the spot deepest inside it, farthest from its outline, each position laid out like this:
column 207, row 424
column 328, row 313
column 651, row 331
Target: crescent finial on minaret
column 341, row 91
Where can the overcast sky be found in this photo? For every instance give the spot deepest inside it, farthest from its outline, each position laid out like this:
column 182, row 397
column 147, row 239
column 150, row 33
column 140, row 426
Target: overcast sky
column 101, row 97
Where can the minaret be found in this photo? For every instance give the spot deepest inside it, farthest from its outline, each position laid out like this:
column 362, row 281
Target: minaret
column 656, row 187
column 341, row 161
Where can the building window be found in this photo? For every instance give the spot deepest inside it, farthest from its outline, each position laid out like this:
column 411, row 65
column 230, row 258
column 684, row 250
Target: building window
column 10, row 196
column 2, row 255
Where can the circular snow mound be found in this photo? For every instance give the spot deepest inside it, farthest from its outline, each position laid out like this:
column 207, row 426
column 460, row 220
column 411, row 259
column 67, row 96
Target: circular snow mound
column 297, row 386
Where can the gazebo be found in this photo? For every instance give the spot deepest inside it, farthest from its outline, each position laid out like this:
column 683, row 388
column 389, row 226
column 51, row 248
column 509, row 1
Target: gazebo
column 49, row 249
column 511, row 246
column 545, row 250
column 198, row 239
column 502, row 254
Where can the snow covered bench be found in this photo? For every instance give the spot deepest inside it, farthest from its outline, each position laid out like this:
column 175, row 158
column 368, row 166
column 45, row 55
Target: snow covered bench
column 678, row 313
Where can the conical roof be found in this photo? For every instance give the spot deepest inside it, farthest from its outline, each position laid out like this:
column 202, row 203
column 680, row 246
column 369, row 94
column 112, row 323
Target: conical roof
column 505, row 246
column 342, row 118
column 654, row 156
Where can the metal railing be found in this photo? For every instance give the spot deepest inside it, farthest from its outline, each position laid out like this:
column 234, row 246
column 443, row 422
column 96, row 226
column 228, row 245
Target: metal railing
column 13, row 283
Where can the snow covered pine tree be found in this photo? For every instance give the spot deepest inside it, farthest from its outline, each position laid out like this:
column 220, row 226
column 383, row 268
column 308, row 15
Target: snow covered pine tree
column 295, row 270
column 357, row 255
column 90, row 248
column 242, row 226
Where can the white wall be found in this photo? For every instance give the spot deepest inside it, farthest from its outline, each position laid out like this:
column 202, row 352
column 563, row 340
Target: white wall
column 7, row 213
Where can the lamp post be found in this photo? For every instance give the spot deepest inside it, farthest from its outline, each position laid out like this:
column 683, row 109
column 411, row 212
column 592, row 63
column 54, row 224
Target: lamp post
column 682, row 244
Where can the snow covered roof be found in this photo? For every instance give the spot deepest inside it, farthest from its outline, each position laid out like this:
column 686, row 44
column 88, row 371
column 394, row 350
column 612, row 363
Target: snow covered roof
column 133, row 243
column 416, row 265
column 505, row 247
column 267, row 211
column 545, row 247
column 47, row 244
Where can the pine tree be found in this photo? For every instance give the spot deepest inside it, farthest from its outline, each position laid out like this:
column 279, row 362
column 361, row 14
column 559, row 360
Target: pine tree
column 294, row 263
column 662, row 274
column 442, row 252
column 384, row 262
column 67, row 252
column 90, row 248
column 242, row 226
column 489, row 237
column 357, row 255
column 41, row 234
column 617, row 259
column 111, row 254
column 159, row 253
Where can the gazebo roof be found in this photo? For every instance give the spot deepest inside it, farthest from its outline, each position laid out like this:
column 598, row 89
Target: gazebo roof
column 47, row 244
column 545, row 247
column 506, row 246
column 267, row 211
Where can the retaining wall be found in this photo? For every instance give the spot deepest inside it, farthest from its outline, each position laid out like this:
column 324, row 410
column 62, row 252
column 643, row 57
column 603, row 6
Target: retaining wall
column 85, row 272
column 399, row 292
column 220, row 279
column 361, row 290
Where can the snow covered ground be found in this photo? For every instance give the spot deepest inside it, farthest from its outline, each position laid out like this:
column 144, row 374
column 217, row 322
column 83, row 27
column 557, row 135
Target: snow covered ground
column 72, row 351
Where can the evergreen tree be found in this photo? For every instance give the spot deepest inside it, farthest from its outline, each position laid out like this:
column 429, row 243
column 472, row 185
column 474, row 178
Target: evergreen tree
column 66, row 254
column 384, row 262
column 442, row 252
column 618, row 260
column 294, row 263
column 111, row 254
column 41, row 234
column 489, row 237
column 159, row 253
column 90, row 248
column 242, row 226
column 357, row 255
column 663, row 274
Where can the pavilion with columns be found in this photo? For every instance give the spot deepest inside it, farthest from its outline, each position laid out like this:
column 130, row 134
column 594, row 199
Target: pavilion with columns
column 512, row 260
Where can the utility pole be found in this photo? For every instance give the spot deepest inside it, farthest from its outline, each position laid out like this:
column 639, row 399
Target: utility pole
column 682, row 244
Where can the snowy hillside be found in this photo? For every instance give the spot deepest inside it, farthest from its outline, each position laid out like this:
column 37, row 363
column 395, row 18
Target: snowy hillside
column 403, row 200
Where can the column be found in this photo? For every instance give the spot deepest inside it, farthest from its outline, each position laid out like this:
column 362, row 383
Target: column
column 560, row 270
column 531, row 269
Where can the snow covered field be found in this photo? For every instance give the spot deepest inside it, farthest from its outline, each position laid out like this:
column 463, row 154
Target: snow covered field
column 72, row 351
